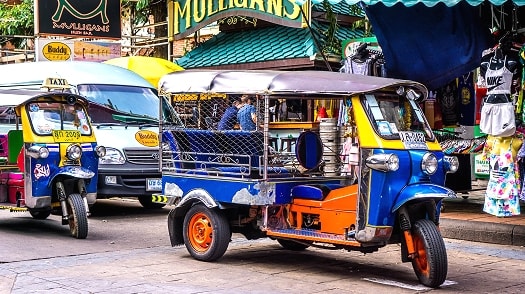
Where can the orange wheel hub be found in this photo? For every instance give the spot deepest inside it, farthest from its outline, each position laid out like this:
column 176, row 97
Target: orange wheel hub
column 421, row 255
column 200, row 232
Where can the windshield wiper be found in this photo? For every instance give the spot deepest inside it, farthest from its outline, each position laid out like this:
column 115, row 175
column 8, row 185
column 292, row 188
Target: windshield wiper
column 135, row 119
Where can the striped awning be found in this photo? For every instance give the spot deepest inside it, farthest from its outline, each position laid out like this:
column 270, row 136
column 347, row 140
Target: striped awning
column 409, row 3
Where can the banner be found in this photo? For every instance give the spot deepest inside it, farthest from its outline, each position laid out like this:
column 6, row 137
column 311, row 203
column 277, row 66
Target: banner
column 66, row 50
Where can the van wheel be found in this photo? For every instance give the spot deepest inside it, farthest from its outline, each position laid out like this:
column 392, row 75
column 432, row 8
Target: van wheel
column 292, row 245
column 147, row 202
column 206, row 233
column 78, row 223
column 39, row 214
column 430, row 263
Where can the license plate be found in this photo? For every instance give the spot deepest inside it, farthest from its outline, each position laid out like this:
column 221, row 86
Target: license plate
column 62, row 136
column 153, row 184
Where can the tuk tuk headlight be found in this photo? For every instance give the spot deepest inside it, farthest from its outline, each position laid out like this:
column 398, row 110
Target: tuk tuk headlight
column 383, row 162
column 38, row 151
column 451, row 164
column 101, row 151
column 73, row 152
column 113, row 156
column 429, row 164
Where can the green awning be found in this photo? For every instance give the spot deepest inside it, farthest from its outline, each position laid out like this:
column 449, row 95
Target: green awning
column 409, row 3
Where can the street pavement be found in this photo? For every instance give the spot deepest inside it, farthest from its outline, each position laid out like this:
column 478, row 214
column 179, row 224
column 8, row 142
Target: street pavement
column 463, row 218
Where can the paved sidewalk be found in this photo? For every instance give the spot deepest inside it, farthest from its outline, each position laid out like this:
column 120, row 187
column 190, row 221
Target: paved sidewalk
column 463, row 218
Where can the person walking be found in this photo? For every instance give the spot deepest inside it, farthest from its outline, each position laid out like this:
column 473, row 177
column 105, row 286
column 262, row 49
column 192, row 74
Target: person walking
column 247, row 115
column 229, row 118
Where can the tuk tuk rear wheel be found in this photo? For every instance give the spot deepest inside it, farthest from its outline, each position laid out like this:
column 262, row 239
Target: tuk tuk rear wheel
column 206, row 233
column 292, row 245
column 76, row 210
column 40, row 214
column 430, row 263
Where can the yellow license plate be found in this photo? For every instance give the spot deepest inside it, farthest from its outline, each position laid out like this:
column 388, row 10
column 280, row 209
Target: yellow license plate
column 61, row 136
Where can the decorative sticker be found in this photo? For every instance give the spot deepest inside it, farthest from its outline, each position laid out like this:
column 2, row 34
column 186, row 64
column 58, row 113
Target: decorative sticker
column 33, row 107
column 147, row 138
column 41, row 171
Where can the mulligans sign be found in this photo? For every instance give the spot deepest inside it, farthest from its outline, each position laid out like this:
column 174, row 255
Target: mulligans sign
column 188, row 16
column 78, row 18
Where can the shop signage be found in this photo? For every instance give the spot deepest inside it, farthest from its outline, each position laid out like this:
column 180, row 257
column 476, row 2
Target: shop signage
column 64, row 50
column 78, row 18
column 188, row 16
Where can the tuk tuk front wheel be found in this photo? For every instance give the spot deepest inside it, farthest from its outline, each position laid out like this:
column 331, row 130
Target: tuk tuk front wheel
column 206, row 233
column 78, row 223
column 430, row 262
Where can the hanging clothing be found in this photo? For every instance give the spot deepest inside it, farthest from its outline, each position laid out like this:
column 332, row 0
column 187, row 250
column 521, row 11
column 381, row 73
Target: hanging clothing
column 498, row 80
column 501, row 198
column 467, row 107
column 447, row 97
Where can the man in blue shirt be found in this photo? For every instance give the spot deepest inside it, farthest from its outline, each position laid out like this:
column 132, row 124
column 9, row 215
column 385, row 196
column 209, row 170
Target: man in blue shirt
column 229, row 118
column 247, row 115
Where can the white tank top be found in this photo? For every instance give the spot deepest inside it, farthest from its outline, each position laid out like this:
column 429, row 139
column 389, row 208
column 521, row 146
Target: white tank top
column 499, row 81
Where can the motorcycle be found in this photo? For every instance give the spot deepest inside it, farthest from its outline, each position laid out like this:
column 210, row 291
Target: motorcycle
column 49, row 154
column 355, row 167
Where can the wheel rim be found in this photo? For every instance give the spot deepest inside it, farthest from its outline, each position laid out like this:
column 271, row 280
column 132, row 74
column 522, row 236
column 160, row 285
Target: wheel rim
column 200, row 232
column 421, row 256
column 72, row 220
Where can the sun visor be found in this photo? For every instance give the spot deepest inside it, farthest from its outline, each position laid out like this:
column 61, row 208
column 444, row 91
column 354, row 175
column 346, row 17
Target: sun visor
column 430, row 45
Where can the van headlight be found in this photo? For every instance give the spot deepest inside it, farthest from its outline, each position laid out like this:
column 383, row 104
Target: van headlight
column 101, row 151
column 113, row 156
column 429, row 164
column 451, row 164
column 73, row 152
column 383, row 162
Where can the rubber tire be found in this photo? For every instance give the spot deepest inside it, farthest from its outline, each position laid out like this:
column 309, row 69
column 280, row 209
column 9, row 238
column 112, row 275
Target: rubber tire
column 40, row 214
column 78, row 222
column 146, row 202
column 291, row 245
column 206, row 233
column 430, row 263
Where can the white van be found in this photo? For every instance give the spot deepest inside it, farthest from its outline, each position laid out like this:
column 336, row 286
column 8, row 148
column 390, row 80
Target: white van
column 124, row 110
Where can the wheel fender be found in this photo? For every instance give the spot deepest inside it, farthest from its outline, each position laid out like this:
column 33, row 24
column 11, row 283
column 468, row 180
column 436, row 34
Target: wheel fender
column 74, row 172
column 176, row 215
column 421, row 191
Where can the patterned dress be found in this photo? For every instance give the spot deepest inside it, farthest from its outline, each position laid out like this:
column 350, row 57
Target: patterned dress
column 502, row 196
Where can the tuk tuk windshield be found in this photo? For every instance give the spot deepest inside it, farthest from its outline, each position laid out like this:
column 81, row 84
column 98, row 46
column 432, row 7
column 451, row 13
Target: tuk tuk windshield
column 45, row 117
column 393, row 115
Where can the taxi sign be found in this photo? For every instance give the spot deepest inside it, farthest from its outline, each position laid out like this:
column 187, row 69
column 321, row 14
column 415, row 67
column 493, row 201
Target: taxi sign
column 63, row 136
column 55, row 83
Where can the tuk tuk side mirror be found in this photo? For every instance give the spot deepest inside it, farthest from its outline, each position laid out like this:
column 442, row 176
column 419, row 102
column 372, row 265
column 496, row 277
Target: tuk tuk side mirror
column 309, row 150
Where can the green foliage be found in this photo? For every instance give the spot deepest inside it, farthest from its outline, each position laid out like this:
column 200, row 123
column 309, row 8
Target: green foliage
column 17, row 19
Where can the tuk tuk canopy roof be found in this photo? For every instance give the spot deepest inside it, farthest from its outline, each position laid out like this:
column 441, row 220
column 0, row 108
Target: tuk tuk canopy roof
column 277, row 82
column 409, row 3
column 16, row 97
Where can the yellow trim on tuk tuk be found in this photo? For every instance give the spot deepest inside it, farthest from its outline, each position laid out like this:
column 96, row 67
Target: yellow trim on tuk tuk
column 368, row 137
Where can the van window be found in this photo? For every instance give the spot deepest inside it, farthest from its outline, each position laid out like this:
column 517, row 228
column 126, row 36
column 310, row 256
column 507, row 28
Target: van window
column 125, row 104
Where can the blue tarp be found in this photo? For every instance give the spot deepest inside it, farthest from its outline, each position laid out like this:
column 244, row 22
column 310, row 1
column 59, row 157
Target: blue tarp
column 431, row 45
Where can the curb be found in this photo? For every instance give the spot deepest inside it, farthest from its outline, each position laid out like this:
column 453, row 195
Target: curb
column 504, row 234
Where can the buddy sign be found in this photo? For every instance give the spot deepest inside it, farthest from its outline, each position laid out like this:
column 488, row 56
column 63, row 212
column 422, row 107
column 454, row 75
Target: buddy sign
column 188, row 16
column 78, row 18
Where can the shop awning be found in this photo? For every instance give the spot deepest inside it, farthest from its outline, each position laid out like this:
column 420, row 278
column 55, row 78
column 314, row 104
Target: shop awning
column 429, row 41
column 408, row 3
